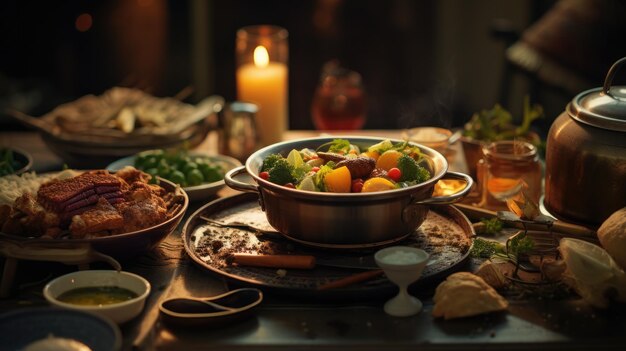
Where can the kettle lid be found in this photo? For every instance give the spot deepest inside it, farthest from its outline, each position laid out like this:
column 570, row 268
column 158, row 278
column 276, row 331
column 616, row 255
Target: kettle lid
column 602, row 107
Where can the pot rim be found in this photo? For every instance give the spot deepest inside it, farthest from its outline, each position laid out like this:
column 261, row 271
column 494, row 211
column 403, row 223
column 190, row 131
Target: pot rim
column 253, row 162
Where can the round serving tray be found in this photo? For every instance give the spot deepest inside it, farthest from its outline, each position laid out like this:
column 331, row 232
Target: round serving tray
column 446, row 235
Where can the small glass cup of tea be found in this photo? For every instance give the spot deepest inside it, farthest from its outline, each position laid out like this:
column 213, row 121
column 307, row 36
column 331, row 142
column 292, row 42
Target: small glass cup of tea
column 340, row 101
column 508, row 169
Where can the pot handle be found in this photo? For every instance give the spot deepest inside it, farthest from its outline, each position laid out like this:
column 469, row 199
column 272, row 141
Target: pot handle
column 610, row 75
column 444, row 200
column 229, row 179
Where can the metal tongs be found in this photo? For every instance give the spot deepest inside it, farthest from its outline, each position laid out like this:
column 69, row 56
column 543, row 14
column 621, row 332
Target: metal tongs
column 214, row 311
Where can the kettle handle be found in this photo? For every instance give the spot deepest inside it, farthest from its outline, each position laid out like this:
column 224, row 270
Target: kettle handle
column 608, row 81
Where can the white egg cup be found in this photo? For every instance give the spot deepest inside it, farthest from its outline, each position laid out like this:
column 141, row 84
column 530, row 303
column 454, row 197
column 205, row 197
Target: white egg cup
column 402, row 265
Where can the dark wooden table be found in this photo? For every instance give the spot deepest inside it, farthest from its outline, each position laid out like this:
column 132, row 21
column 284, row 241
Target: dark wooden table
column 286, row 322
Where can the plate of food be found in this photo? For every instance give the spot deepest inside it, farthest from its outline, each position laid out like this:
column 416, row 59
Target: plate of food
column 94, row 130
column 201, row 175
column 116, row 214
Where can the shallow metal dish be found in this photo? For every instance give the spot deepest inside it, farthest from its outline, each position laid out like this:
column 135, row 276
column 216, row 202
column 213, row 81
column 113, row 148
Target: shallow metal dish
column 447, row 255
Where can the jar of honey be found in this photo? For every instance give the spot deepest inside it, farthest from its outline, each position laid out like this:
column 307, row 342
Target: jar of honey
column 509, row 170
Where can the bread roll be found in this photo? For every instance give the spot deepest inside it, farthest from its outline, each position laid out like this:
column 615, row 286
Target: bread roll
column 612, row 235
column 464, row 294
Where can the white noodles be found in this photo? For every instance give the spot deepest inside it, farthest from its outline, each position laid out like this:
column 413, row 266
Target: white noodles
column 13, row 186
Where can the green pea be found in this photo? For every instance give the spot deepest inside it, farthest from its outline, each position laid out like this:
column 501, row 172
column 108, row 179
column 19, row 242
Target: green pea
column 211, row 174
column 181, row 162
column 150, row 162
column 177, row 177
column 195, row 177
column 189, row 166
column 163, row 167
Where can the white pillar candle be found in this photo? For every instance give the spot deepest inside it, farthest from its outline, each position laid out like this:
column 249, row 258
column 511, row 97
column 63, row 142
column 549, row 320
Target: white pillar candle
column 265, row 83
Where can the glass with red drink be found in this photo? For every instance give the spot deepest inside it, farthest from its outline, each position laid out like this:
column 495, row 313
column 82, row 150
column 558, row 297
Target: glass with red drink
column 339, row 101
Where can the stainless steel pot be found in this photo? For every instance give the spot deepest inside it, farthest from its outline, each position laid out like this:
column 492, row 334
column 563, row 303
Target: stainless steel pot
column 586, row 155
column 345, row 220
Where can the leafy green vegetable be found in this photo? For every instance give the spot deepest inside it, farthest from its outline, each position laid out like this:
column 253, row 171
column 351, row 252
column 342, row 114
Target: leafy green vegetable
column 340, row 146
column 381, row 147
column 411, row 171
column 497, row 123
column 269, row 162
column 483, row 248
column 281, row 172
column 520, row 244
column 402, row 146
column 491, row 226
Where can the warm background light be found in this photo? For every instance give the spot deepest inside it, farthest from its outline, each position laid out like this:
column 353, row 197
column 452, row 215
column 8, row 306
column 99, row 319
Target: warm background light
column 83, row 22
column 261, row 57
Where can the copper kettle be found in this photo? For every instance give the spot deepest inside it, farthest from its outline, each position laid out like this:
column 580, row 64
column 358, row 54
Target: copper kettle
column 586, row 155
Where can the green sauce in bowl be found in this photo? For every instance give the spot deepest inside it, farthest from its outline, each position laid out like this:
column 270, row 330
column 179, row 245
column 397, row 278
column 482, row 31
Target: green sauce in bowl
column 97, row 296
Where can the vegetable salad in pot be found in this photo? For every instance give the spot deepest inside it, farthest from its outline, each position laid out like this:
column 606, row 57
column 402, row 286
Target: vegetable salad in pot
column 344, row 168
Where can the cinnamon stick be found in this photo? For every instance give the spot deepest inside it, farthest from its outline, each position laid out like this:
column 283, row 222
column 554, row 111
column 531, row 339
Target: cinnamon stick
column 351, row 279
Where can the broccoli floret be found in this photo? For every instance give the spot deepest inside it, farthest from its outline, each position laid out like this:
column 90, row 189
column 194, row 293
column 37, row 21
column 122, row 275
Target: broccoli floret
column 281, row 172
column 270, row 161
column 411, row 171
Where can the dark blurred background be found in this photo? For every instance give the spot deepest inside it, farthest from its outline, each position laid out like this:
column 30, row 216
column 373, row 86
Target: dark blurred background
column 422, row 62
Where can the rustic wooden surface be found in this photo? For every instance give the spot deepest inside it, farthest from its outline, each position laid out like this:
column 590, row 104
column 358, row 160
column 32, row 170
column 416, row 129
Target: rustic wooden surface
column 287, row 322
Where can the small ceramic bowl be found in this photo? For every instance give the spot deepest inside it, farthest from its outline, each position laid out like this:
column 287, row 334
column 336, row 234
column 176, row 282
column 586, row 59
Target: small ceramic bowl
column 433, row 137
column 22, row 161
column 117, row 312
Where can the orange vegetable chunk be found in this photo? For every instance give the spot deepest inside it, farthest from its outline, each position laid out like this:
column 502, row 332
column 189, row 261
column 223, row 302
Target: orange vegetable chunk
column 338, row 180
column 388, row 160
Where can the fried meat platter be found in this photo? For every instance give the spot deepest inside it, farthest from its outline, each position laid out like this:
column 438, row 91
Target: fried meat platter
column 84, row 205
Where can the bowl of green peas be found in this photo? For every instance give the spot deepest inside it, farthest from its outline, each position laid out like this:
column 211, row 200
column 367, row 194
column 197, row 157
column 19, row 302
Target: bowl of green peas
column 201, row 175
column 14, row 161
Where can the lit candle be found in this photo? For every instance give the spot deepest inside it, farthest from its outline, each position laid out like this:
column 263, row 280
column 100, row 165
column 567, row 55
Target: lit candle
column 264, row 81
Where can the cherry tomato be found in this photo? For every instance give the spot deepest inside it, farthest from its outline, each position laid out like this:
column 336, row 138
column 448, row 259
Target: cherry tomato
column 290, row 185
column 357, row 185
column 395, row 174
column 264, row 175
column 315, row 169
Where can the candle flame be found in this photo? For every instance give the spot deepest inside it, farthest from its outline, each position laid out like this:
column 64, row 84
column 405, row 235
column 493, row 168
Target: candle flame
column 261, row 57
